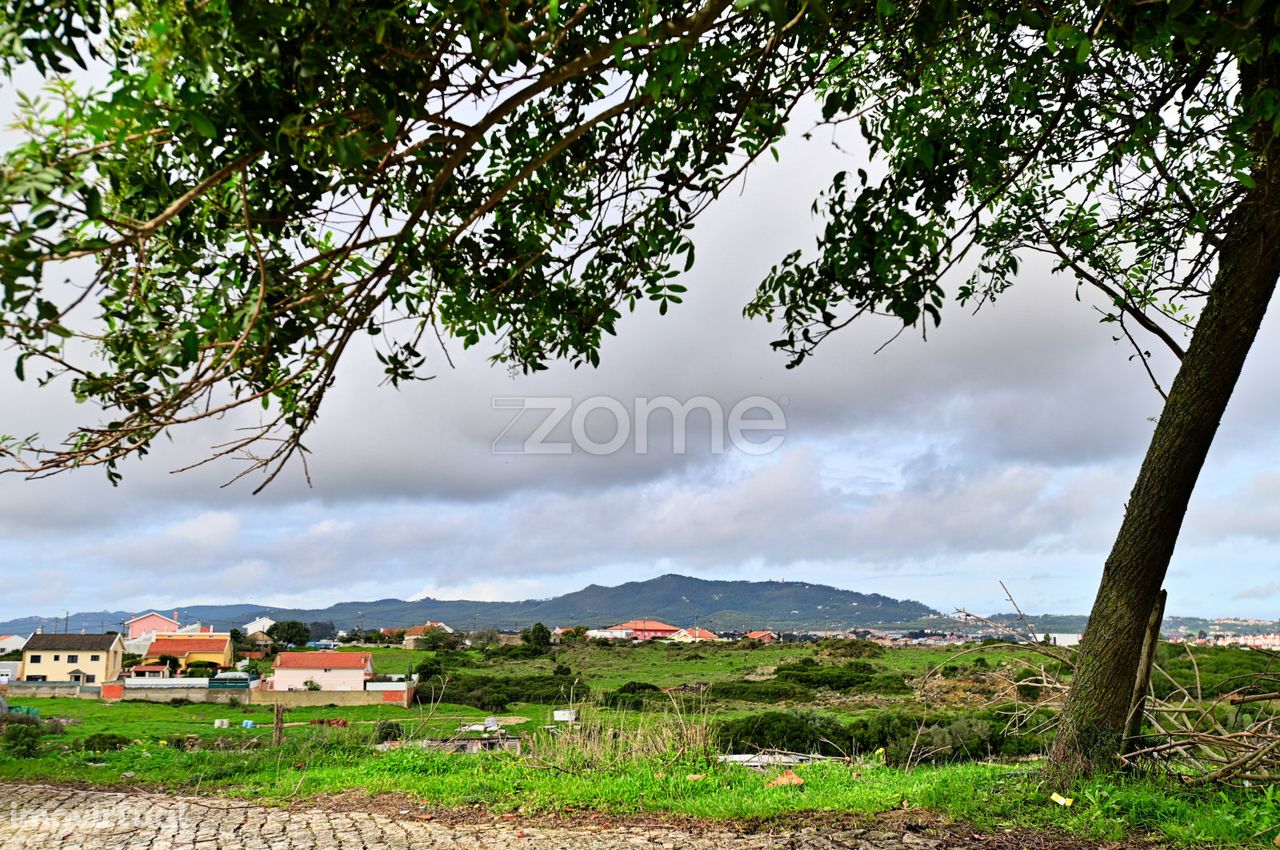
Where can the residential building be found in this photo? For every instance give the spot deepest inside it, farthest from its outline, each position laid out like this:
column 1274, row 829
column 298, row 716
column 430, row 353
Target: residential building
column 610, row 634
column 419, row 631
column 645, row 629
column 260, row 639
column 692, row 636
column 332, row 671
column 84, row 659
column 11, row 643
column 190, row 648
column 763, row 637
column 10, row 671
column 261, row 624
column 151, row 624
column 150, row 671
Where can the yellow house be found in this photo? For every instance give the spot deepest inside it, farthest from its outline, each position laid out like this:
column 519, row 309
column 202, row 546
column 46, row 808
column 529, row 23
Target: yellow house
column 190, row 648
column 84, row 659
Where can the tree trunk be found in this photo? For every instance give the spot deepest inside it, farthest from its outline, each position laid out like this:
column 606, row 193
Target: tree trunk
column 1093, row 721
column 1138, row 702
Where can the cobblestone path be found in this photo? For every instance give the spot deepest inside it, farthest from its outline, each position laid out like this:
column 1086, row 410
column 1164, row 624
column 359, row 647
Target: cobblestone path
column 39, row 817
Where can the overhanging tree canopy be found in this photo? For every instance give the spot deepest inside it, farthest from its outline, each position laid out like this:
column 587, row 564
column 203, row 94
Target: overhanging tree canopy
column 262, row 183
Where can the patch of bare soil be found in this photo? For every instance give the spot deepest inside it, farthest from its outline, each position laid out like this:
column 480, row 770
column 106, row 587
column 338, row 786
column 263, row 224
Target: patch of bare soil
column 893, row 828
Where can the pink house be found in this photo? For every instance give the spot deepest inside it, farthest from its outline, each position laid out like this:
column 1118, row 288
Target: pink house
column 332, row 671
column 150, row 624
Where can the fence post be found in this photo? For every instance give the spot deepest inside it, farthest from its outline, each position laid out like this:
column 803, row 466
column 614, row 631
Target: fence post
column 277, row 727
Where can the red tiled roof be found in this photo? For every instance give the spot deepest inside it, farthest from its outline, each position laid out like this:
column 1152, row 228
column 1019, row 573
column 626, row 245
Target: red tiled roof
column 758, row 635
column 253, row 656
column 179, row 646
column 419, row 631
column 645, row 626
column 324, row 660
column 701, row 634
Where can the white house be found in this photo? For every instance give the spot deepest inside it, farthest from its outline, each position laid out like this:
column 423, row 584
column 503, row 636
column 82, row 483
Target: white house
column 259, row 625
column 331, row 671
column 11, row 643
column 611, row 634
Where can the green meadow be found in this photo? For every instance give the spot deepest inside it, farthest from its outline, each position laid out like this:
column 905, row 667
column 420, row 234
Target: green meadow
column 657, row 757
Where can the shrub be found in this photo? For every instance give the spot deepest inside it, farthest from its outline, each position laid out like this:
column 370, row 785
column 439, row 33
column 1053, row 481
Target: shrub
column 495, row 693
column 812, row 675
column 428, row 668
column 884, row 683
column 633, row 696
column 514, row 652
column 639, row 688
column 774, row 690
column 387, row 730
column 1025, row 680
column 102, row 742
column 21, row 740
column 792, row 731
column 18, row 720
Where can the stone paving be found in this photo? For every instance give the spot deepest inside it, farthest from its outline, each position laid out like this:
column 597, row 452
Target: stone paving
column 47, row 818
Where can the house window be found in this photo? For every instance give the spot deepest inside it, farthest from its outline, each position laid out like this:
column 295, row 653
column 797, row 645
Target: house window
column 73, row 659
column 95, row 657
column 57, row 658
column 90, row 679
column 37, row 679
column 35, row 659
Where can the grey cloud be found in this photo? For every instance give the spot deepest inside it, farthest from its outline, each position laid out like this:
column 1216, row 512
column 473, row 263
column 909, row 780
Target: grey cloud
column 1261, row 591
column 1008, row 439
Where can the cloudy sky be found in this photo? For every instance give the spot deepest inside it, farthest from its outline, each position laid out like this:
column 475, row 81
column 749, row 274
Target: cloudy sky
column 1001, row 449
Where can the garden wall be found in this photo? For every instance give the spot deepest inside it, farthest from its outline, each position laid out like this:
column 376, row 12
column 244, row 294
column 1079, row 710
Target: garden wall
column 49, row 689
column 301, row 699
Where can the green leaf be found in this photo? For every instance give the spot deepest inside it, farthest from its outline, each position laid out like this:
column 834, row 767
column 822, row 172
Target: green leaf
column 202, row 125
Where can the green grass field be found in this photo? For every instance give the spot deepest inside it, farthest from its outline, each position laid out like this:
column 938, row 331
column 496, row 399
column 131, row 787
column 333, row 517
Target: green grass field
column 648, row 766
column 669, row 665
column 315, row 761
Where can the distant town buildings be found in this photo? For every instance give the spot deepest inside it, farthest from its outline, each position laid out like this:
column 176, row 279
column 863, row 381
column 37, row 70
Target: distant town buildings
column 1244, row 641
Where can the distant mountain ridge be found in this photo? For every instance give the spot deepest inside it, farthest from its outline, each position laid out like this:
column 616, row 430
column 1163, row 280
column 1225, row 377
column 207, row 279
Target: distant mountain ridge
column 679, row 600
